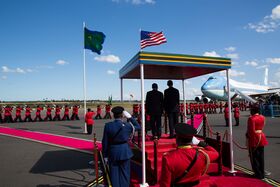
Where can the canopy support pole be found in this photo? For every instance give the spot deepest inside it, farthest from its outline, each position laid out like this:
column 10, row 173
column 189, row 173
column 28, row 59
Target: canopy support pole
column 144, row 184
column 121, row 90
column 184, row 101
column 230, row 126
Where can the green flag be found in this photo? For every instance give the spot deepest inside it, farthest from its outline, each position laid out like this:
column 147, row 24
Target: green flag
column 94, row 40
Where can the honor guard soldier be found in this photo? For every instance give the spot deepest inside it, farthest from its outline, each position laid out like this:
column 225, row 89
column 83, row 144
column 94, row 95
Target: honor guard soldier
column 18, row 114
column 115, row 147
column 135, row 110
column 221, row 107
column 181, row 112
column 236, row 114
column 187, row 108
column 185, row 165
column 57, row 113
column 226, row 114
column 98, row 111
column 89, row 120
column 8, row 114
column 38, row 114
column 1, row 118
column 75, row 113
column 107, row 112
column 48, row 113
column 28, row 114
column 66, row 113
column 256, row 141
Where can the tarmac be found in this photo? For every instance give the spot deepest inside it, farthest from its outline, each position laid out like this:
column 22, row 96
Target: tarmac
column 26, row 163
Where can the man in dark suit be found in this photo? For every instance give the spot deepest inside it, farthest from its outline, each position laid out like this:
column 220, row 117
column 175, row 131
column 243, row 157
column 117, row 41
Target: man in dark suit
column 171, row 103
column 115, row 148
column 154, row 108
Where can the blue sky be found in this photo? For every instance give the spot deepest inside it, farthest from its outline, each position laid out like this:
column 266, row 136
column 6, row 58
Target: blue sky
column 41, row 43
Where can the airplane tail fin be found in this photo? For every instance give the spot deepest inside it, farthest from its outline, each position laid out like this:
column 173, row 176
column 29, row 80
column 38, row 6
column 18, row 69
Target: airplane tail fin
column 266, row 76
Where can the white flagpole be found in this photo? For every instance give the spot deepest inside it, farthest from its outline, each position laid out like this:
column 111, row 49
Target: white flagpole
column 85, row 91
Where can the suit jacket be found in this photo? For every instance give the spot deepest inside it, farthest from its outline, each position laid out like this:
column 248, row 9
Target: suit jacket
column 171, row 100
column 115, row 138
column 154, row 102
column 255, row 134
column 174, row 163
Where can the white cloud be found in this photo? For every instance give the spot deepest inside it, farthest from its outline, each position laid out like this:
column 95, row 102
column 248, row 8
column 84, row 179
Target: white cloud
column 61, row 62
column 273, row 60
column 4, row 77
column 262, row 67
column 111, row 72
column 136, row 2
column 211, row 54
column 233, row 73
column 251, row 63
column 269, row 23
column 233, row 55
column 230, row 49
column 5, row 69
column 276, row 13
column 109, row 59
column 19, row 70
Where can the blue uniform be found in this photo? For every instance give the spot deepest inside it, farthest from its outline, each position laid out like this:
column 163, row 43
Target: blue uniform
column 115, row 147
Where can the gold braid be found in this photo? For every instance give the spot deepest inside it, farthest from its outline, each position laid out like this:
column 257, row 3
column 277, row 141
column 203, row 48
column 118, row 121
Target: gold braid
column 207, row 160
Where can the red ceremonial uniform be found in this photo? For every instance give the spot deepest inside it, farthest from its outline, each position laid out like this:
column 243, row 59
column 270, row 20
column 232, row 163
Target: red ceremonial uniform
column 89, row 118
column 236, row 112
column 174, row 164
column 226, row 113
column 255, row 134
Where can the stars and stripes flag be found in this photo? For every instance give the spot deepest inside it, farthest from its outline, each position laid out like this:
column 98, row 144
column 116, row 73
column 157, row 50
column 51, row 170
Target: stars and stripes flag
column 151, row 38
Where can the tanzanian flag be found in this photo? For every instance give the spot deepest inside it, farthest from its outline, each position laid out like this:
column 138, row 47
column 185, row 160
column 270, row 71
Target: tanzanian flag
column 94, row 40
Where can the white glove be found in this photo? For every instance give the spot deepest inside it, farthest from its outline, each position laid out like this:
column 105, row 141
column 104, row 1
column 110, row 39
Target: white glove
column 126, row 114
column 195, row 141
column 106, row 160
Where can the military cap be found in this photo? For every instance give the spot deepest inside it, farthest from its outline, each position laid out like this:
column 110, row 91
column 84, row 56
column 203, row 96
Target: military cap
column 184, row 130
column 117, row 110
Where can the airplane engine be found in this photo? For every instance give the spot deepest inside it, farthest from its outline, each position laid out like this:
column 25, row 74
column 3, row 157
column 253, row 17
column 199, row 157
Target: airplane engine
column 202, row 99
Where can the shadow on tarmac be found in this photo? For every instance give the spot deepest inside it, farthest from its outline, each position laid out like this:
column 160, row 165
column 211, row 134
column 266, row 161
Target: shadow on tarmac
column 54, row 161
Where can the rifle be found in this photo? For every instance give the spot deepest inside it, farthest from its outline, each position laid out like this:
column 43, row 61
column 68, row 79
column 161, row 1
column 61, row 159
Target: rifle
column 106, row 170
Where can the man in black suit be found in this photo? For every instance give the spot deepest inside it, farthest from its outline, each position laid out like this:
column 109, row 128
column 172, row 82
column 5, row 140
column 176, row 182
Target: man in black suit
column 154, row 108
column 171, row 106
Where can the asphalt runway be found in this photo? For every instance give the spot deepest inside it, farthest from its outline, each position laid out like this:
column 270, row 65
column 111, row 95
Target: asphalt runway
column 27, row 163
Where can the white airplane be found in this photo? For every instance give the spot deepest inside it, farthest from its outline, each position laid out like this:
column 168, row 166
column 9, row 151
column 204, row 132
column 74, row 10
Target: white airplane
column 215, row 89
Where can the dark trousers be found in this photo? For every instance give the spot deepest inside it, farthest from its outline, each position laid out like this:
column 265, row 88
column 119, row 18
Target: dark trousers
column 172, row 120
column 107, row 116
column 75, row 116
column 155, row 123
column 257, row 161
column 8, row 119
column 66, row 117
column 18, row 118
column 38, row 117
column 236, row 121
column 227, row 121
column 89, row 129
column 48, row 117
column 28, row 118
column 98, row 116
column 56, row 117
column 120, row 173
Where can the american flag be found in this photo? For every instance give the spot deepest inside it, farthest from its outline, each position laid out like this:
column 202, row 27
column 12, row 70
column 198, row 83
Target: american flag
column 151, row 38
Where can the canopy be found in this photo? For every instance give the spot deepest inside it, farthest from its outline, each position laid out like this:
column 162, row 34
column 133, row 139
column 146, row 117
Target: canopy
column 151, row 65
column 172, row 66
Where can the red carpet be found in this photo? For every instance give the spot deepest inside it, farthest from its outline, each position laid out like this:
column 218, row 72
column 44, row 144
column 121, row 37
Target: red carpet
column 56, row 140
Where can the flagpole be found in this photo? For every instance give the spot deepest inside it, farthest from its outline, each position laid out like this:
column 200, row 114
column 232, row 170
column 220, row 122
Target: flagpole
column 85, row 91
